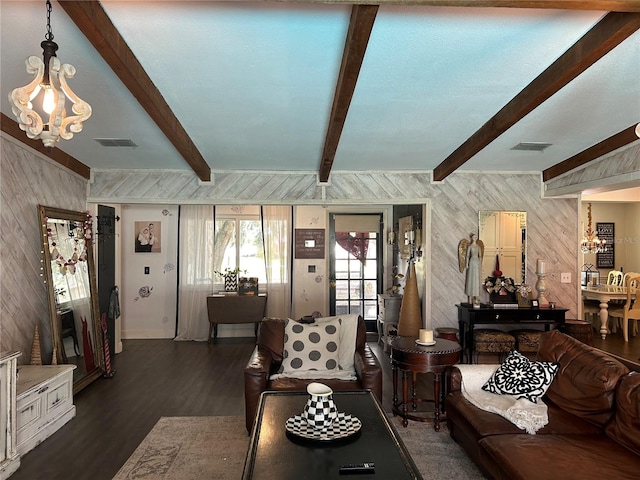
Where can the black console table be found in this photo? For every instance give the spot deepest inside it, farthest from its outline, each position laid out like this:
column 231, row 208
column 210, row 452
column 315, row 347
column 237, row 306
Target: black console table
column 468, row 317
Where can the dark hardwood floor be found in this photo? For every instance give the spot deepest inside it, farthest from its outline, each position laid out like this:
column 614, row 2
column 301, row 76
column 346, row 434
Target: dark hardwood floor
column 156, row 378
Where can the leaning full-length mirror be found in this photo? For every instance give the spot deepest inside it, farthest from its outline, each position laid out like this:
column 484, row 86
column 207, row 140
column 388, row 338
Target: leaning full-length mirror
column 505, row 239
column 73, row 300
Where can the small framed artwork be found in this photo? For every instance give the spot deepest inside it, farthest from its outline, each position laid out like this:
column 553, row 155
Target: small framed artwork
column 309, row 243
column 405, row 230
column 248, row 286
column 535, row 303
column 523, row 302
column 147, row 237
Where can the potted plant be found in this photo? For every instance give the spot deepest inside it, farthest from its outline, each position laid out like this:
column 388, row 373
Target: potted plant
column 230, row 276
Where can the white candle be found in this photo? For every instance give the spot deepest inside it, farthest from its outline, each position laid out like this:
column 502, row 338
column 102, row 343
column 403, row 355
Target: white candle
column 426, row 336
column 541, row 266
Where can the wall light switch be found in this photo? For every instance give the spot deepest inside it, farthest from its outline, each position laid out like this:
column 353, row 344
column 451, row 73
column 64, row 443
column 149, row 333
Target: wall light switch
column 146, row 270
column 565, row 277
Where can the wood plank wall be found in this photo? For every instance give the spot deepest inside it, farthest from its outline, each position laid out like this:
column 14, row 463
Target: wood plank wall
column 453, row 205
column 28, row 179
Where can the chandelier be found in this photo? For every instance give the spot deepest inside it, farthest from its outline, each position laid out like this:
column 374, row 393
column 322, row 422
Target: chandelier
column 590, row 242
column 40, row 106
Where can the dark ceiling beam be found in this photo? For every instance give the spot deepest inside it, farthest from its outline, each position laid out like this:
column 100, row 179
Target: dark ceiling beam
column 11, row 127
column 612, row 30
column 600, row 5
column 619, row 140
column 360, row 26
column 94, row 23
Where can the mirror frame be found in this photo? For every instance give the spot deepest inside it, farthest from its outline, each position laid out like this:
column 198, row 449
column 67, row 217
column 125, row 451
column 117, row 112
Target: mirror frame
column 58, row 213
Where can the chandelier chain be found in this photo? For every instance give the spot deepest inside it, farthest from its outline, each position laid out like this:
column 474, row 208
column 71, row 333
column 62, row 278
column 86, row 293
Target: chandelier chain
column 49, row 34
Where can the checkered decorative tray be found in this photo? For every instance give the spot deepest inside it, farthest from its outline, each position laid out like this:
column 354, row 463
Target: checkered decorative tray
column 343, row 426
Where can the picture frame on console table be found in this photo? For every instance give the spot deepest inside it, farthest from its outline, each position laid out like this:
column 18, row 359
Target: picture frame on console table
column 248, row 286
column 523, row 302
column 535, row 303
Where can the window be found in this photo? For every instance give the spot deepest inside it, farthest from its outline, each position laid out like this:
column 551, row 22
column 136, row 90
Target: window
column 238, row 243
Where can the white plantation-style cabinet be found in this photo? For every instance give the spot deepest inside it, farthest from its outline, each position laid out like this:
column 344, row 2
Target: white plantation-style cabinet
column 504, row 236
column 9, row 457
column 44, row 402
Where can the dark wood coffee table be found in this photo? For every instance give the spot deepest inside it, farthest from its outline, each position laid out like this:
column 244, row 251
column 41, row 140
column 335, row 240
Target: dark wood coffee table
column 276, row 454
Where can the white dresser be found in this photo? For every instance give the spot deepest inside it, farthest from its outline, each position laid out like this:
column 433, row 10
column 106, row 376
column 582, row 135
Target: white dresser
column 44, row 402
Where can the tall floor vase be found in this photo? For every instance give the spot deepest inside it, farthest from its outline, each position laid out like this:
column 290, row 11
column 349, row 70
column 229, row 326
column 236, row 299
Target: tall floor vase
column 410, row 321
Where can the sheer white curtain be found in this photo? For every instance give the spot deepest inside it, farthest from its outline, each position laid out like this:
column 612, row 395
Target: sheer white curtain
column 277, row 237
column 196, row 270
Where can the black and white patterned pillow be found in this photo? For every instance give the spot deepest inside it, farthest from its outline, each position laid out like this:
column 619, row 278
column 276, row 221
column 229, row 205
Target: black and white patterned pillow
column 522, row 378
column 310, row 346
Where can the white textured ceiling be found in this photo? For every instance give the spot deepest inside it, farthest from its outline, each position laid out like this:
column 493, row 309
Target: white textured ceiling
column 253, row 83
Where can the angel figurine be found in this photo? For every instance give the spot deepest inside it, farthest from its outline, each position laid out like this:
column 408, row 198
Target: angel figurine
column 470, row 255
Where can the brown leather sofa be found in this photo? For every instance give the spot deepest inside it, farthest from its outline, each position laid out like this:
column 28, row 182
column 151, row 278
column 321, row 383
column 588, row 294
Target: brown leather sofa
column 594, row 421
column 267, row 357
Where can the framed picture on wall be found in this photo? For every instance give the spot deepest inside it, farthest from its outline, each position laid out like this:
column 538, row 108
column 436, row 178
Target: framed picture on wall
column 606, row 231
column 148, row 237
column 405, row 230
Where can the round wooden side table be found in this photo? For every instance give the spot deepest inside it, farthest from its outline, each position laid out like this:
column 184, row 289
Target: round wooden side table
column 411, row 358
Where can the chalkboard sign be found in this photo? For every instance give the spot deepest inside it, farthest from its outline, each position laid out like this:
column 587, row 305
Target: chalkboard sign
column 605, row 231
column 309, row 243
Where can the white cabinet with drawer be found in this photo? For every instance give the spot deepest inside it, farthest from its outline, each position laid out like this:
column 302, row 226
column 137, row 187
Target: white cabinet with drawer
column 44, row 402
column 388, row 315
column 9, row 456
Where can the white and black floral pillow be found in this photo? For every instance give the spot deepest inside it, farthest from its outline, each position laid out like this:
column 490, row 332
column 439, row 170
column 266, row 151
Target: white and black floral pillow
column 522, row 378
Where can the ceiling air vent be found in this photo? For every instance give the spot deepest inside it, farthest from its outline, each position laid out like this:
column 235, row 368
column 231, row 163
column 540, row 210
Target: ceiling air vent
column 531, row 146
column 115, row 142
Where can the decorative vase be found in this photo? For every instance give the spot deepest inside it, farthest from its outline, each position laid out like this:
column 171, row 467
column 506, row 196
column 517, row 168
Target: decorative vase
column 320, row 410
column 230, row 282
column 410, row 320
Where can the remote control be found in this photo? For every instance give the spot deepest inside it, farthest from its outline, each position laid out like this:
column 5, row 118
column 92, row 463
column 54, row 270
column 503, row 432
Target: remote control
column 356, row 468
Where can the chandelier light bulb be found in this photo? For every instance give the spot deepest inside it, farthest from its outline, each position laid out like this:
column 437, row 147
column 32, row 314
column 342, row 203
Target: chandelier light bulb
column 49, row 101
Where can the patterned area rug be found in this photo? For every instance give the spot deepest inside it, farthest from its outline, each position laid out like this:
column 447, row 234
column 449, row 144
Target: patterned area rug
column 193, row 448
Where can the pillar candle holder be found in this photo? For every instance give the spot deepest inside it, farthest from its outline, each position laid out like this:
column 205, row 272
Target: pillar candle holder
column 541, row 287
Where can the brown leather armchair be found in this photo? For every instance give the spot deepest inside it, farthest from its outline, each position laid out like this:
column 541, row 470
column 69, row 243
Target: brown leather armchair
column 267, row 357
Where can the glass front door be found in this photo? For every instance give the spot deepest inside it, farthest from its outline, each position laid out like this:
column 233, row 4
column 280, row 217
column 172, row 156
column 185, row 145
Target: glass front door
column 356, row 265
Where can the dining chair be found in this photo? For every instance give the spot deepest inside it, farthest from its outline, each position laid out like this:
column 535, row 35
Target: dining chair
column 627, row 276
column 615, row 277
column 630, row 310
